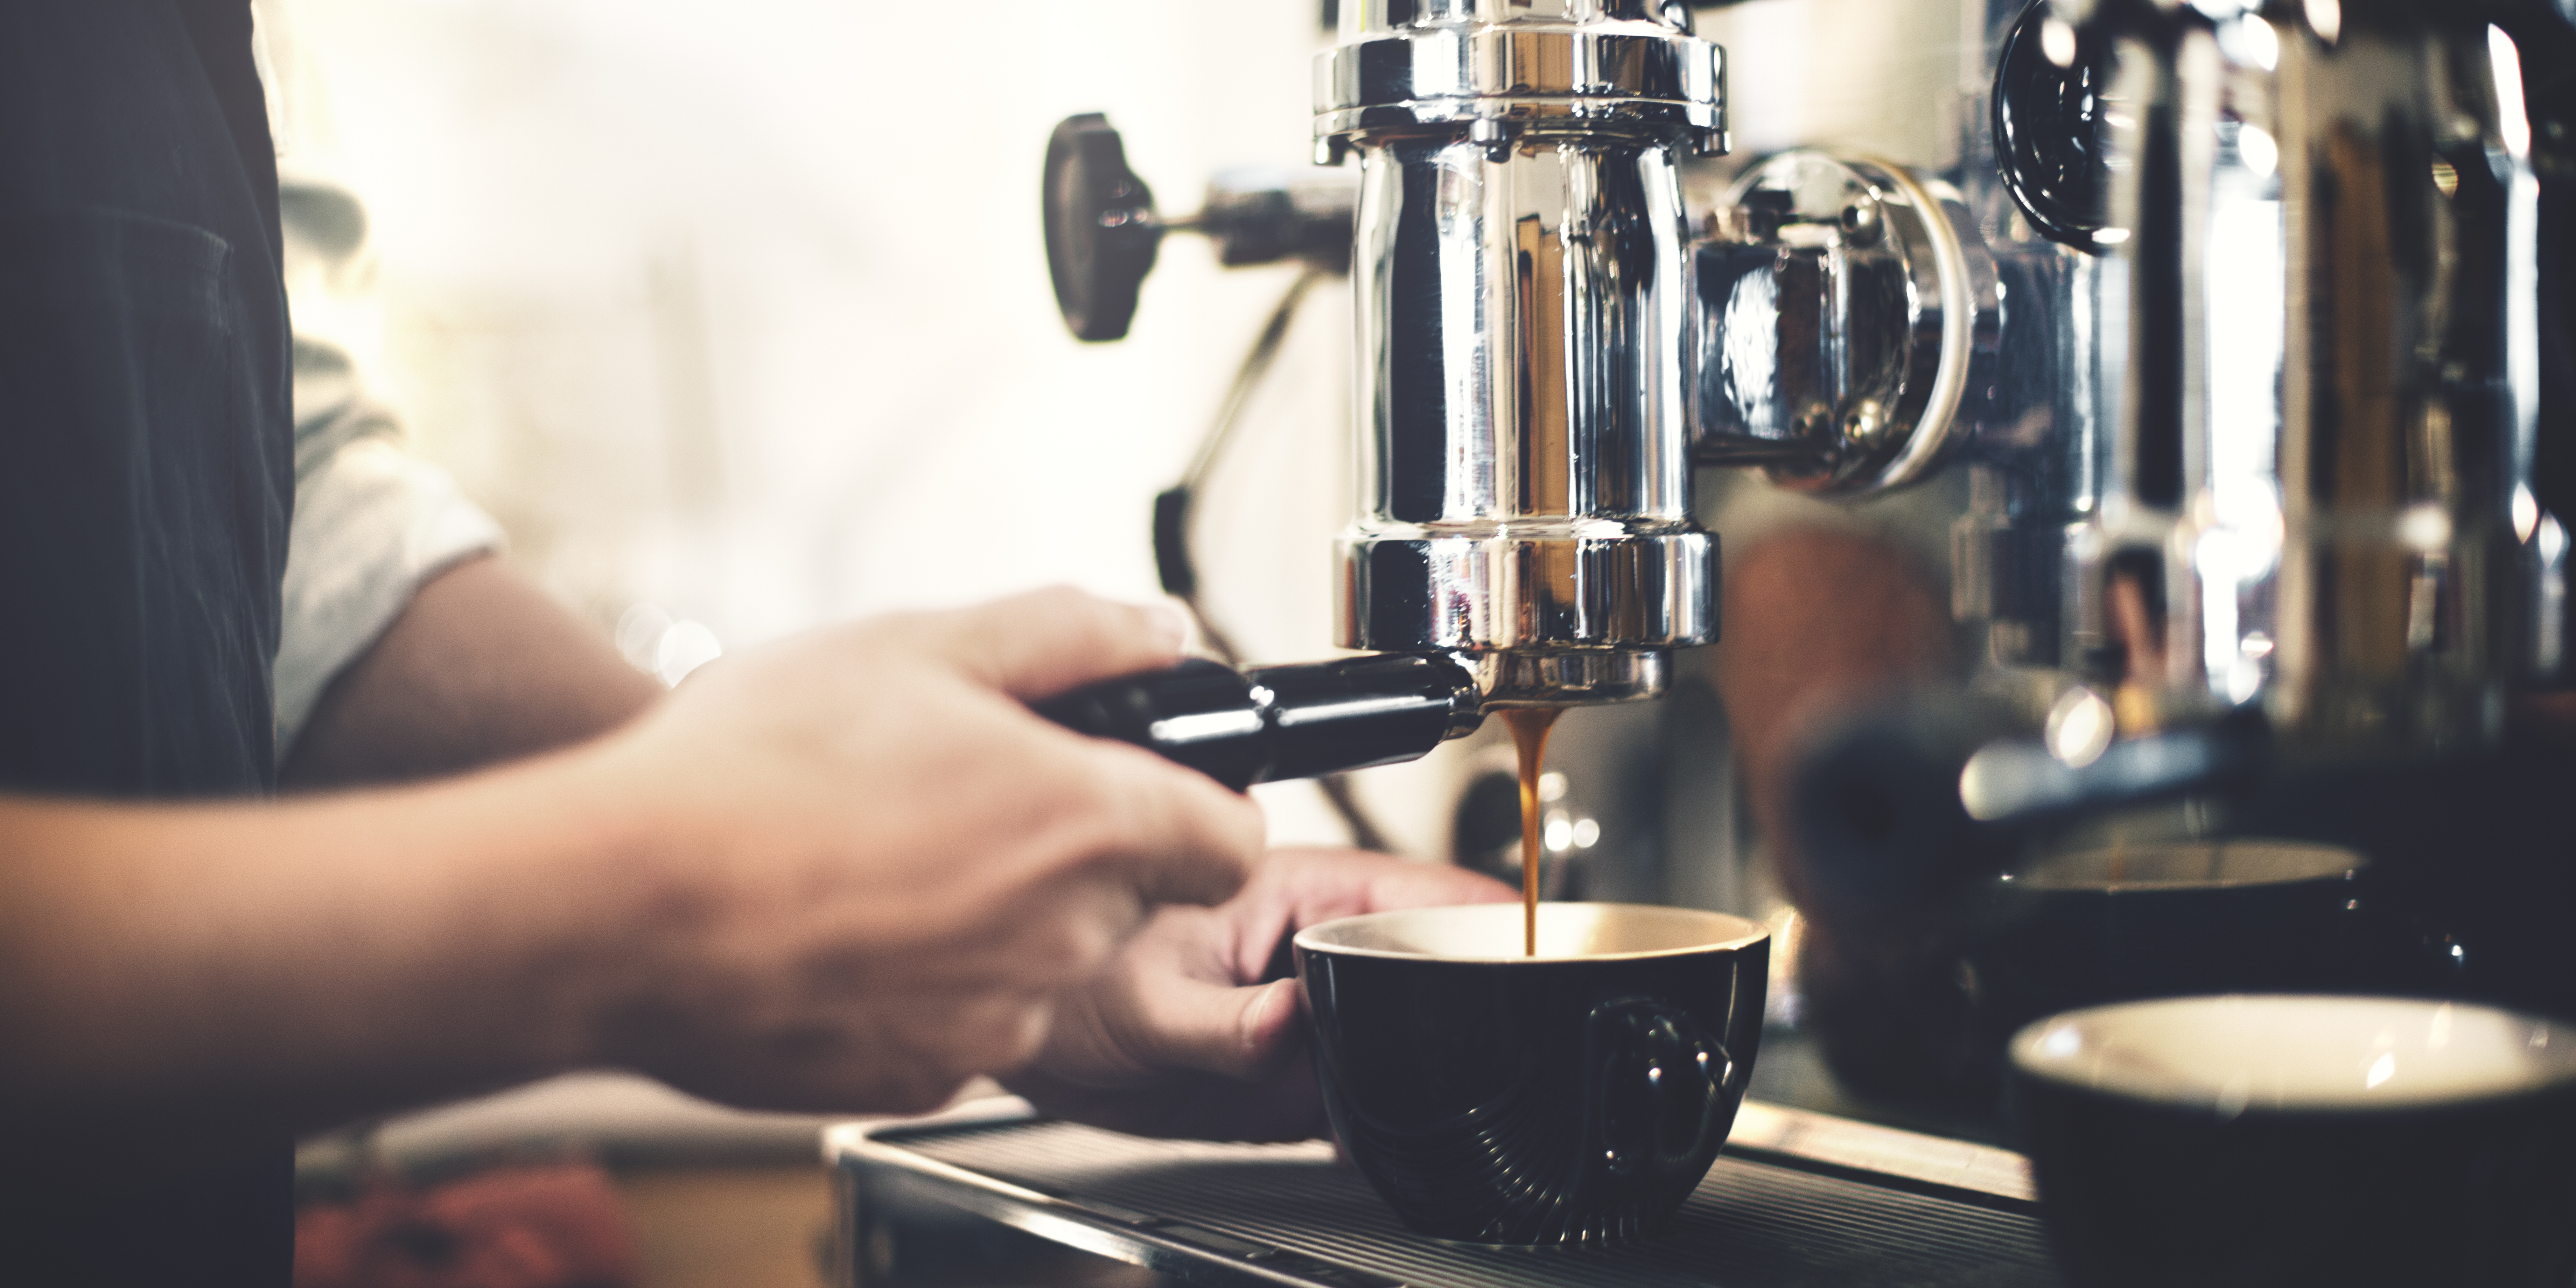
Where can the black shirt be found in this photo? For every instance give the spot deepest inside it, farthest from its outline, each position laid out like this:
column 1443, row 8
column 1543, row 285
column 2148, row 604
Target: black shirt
column 146, row 472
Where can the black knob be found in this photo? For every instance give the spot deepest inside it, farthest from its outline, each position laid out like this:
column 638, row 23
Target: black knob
column 2047, row 123
column 1100, row 227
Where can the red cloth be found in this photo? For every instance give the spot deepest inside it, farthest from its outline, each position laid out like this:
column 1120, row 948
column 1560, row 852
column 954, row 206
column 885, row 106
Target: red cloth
column 552, row 1226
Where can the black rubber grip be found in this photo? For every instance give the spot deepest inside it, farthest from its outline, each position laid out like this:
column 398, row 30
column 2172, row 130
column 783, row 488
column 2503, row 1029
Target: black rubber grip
column 1277, row 722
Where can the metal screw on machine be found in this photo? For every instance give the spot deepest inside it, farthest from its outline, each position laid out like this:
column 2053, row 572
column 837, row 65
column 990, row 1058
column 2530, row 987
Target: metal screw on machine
column 1102, row 231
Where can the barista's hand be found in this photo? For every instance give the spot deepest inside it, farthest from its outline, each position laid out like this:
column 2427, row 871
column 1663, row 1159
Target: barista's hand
column 1180, row 1037
column 874, row 871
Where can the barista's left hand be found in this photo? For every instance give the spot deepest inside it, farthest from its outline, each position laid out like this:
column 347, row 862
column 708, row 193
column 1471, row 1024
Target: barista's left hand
column 1180, row 1036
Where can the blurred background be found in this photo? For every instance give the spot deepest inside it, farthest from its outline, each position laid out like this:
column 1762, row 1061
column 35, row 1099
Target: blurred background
column 746, row 317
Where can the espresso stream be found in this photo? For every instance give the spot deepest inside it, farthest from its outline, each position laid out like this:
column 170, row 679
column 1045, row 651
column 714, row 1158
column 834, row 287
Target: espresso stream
column 1529, row 726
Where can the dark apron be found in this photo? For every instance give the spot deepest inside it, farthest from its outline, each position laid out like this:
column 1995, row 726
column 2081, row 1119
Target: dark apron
column 146, row 472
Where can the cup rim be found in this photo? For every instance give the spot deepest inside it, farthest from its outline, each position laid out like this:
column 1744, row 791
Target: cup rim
column 2030, row 1058
column 1746, row 932
column 2038, row 879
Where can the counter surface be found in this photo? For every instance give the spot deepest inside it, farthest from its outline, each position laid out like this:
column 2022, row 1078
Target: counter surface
column 1798, row 1199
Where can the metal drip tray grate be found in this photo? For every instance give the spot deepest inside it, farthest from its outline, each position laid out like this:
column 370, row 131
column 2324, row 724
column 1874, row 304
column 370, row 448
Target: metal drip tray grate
column 1291, row 1214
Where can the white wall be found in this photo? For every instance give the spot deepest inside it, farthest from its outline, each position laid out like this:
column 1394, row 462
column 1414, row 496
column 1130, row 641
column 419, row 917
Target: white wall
column 743, row 310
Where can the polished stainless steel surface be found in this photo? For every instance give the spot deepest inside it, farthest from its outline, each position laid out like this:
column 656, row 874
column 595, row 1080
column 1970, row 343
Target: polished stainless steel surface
column 2321, row 459
column 1841, row 312
column 1502, row 67
column 1523, row 392
column 2245, row 387
column 2227, row 309
column 1522, row 677
column 2252, row 421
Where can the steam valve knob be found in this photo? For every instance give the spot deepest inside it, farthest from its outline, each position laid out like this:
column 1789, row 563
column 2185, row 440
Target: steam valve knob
column 1100, row 227
column 1102, row 231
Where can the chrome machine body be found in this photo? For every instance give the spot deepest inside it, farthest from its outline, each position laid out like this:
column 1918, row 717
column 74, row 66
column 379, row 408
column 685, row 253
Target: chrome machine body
column 2205, row 342
column 2249, row 379
column 2292, row 413
column 1521, row 276
column 2256, row 535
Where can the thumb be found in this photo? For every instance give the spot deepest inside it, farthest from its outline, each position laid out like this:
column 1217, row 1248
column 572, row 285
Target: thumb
column 1244, row 1033
column 1039, row 644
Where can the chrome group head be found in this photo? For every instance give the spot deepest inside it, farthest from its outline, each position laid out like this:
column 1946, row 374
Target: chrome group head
column 1521, row 274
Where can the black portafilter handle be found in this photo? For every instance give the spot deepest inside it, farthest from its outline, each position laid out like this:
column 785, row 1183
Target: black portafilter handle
column 1902, row 807
column 1271, row 723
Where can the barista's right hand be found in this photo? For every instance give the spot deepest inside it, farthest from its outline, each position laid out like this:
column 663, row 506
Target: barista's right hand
column 867, row 871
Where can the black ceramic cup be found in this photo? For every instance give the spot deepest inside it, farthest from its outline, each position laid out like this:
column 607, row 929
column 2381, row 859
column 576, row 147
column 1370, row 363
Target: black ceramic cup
column 2235, row 1141
column 2170, row 920
column 1572, row 1097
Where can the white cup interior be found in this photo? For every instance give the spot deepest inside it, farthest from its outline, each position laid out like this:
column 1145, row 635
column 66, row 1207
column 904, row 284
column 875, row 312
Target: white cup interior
column 1494, row 932
column 2299, row 1053
column 2209, row 866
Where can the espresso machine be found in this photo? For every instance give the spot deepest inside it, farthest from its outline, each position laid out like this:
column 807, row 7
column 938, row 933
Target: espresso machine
column 2211, row 341
column 1518, row 244
column 2207, row 365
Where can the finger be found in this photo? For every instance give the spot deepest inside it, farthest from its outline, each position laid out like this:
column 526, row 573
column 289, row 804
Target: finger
column 1236, row 1032
column 1175, row 835
column 1041, row 643
column 1394, row 883
column 1306, row 887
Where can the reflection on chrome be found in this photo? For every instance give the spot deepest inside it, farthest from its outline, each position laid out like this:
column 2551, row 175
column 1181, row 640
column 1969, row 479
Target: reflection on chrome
column 1842, row 311
column 1522, row 385
column 2281, row 457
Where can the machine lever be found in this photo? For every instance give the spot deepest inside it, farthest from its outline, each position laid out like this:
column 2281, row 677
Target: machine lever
column 1272, row 723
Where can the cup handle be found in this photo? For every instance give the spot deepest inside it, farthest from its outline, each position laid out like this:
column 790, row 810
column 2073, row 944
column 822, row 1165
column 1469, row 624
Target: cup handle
column 1658, row 1081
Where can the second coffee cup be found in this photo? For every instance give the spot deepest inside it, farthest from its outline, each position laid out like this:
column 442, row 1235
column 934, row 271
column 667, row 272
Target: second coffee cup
column 2302, row 1142
column 1576, row 1096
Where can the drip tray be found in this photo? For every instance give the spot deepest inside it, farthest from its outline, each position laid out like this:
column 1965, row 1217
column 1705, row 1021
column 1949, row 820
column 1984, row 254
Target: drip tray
column 1798, row 1198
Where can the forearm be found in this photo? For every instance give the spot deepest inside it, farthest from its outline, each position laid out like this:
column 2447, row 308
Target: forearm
column 846, row 874
column 290, row 966
column 481, row 667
